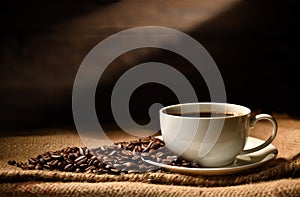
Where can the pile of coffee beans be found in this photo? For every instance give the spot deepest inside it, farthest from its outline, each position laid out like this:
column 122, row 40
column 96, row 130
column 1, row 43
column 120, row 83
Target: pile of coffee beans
column 121, row 157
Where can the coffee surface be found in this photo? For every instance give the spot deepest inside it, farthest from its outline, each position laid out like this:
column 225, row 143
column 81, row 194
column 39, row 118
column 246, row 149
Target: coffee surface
column 204, row 114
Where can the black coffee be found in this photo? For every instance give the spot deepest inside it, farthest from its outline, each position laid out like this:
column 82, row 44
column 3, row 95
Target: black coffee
column 204, row 114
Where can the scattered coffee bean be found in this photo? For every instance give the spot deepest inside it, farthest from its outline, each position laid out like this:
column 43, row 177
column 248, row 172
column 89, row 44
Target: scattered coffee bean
column 33, row 160
column 46, row 166
column 56, row 156
column 81, row 159
column 69, row 167
column 121, row 157
column 12, row 162
column 30, row 166
column 38, row 167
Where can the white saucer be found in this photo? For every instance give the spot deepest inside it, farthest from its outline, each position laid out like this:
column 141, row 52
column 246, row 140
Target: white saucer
column 242, row 162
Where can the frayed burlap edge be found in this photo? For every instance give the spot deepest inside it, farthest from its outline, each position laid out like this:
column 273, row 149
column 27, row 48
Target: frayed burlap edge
column 277, row 169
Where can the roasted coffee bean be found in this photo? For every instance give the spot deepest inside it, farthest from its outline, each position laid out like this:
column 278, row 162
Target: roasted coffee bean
column 46, row 158
column 185, row 164
column 136, row 157
column 90, row 162
column 132, row 171
column 83, row 166
column 65, row 155
column 112, row 153
column 56, row 156
column 90, row 168
column 66, row 150
column 23, row 166
column 130, row 164
column 195, row 165
column 41, row 160
column 69, row 167
column 159, row 154
column 87, row 152
column 53, row 163
column 30, row 166
column 127, row 152
column 93, row 157
column 116, row 165
column 124, row 157
column 103, row 148
column 151, row 150
column 32, row 161
column 130, row 147
column 155, row 145
column 38, row 167
column 67, row 160
column 115, row 171
column 47, row 167
column 73, row 156
column 172, row 157
column 95, row 162
column 107, row 159
column 142, row 166
column 167, row 161
column 100, row 165
column 12, row 162
column 145, row 154
column 119, row 146
column 81, row 151
column 60, row 165
column 136, row 151
column 148, row 147
column 81, row 159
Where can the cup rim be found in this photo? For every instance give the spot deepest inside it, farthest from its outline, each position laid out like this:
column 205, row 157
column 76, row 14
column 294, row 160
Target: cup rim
column 248, row 111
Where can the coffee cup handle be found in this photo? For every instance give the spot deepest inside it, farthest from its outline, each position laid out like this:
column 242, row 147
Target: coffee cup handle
column 253, row 121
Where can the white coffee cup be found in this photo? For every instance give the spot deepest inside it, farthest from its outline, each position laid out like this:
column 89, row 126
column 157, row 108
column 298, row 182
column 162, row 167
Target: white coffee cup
column 212, row 141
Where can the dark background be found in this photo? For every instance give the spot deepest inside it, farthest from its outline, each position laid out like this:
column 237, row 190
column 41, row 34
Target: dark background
column 254, row 43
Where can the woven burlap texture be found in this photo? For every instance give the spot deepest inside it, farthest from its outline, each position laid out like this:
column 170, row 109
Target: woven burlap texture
column 284, row 187
column 282, row 173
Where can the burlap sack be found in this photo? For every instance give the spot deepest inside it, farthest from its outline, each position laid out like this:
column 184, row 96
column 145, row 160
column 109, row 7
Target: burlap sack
column 280, row 176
